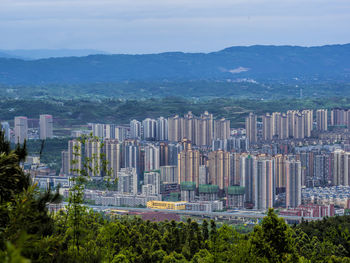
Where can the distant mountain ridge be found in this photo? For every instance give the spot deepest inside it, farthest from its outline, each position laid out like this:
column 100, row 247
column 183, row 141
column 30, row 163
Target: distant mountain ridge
column 3, row 54
column 261, row 63
column 34, row 54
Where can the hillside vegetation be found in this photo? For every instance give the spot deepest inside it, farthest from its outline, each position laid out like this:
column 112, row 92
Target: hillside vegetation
column 256, row 62
column 244, row 72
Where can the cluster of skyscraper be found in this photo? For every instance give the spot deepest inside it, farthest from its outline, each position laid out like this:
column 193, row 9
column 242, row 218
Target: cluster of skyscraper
column 192, row 155
column 199, row 130
column 134, row 162
column 294, row 124
column 21, row 128
column 260, row 176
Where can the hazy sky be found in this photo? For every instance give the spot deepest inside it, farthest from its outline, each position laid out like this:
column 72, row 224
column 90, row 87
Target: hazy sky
column 146, row 26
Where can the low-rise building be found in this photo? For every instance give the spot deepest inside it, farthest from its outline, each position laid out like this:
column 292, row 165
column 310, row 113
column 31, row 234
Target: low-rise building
column 166, row 205
column 205, row 206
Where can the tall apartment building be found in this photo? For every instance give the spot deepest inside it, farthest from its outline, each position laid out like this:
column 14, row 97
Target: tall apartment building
column 247, row 179
column 219, row 168
column 135, row 129
column 112, row 156
column 175, row 132
column 74, row 160
column 110, row 131
column 222, row 129
column 308, row 122
column 322, row 165
column 316, row 167
column 188, row 165
column 163, row 154
column 168, row 174
column 339, row 117
column 203, row 174
column 291, row 122
column 293, row 183
column 235, row 169
column 299, row 128
column 268, row 127
column 190, row 128
column 298, row 124
column 276, row 124
column 93, row 151
column 5, row 127
column 306, row 161
column 98, row 130
column 341, row 167
column 264, row 178
column 251, row 128
column 46, row 126
column 283, row 128
column 131, row 155
column 162, row 129
column 173, row 151
column 279, row 166
column 21, row 129
column 152, row 157
column 64, row 163
column 149, row 127
column 199, row 130
column 322, row 120
column 98, row 159
column 122, row 132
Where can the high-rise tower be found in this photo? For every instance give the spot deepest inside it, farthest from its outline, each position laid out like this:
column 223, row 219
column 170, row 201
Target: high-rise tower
column 21, row 129
column 46, row 126
column 251, row 128
column 293, row 183
column 322, row 119
column 188, row 165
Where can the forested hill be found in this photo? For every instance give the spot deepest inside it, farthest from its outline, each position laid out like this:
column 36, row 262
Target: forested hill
column 255, row 63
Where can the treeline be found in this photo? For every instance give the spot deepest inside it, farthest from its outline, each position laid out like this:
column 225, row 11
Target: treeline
column 70, row 112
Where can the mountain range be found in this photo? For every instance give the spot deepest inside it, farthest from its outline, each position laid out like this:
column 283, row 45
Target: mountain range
column 254, row 63
column 33, row 54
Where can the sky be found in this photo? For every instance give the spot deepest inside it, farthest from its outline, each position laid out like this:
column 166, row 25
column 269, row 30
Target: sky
column 153, row 26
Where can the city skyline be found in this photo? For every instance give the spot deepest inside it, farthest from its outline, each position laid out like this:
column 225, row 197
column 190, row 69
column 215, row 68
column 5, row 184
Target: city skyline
column 174, row 131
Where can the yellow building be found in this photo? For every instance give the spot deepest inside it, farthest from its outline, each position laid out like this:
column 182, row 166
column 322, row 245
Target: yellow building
column 188, row 164
column 166, row 205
